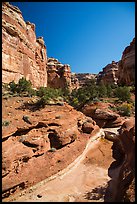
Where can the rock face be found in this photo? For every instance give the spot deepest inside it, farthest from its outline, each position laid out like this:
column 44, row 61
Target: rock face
column 121, row 72
column 126, row 72
column 34, row 151
column 101, row 113
column 121, row 187
column 59, row 75
column 109, row 74
column 80, row 79
column 23, row 55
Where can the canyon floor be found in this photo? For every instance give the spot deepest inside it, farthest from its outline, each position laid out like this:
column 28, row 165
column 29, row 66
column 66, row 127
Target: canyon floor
column 82, row 173
column 84, row 180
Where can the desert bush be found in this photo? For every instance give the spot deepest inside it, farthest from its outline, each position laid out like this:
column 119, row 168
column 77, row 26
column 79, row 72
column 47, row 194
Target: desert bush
column 22, row 88
column 102, row 90
column 5, row 123
column 24, row 85
column 13, row 87
column 46, row 94
column 49, row 92
column 125, row 109
column 123, row 93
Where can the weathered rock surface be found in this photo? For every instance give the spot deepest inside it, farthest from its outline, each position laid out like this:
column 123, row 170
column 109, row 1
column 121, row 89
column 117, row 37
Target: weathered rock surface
column 101, row 113
column 109, row 74
column 34, row 151
column 80, row 79
column 59, row 75
column 121, row 72
column 23, row 55
column 126, row 70
column 121, row 187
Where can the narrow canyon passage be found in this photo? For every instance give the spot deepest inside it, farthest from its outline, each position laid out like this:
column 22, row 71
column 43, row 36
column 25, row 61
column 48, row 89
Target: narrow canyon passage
column 75, row 184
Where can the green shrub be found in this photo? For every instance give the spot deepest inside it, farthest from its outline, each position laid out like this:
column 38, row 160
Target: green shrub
column 13, row 87
column 44, row 100
column 5, row 123
column 47, row 94
column 23, row 87
column 102, row 90
column 123, row 93
column 125, row 109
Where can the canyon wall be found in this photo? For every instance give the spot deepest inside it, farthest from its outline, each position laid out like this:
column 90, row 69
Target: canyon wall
column 121, row 72
column 126, row 71
column 109, row 74
column 80, row 79
column 23, row 55
column 59, row 75
column 121, row 187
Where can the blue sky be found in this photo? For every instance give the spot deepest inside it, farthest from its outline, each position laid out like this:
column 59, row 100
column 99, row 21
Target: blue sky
column 86, row 35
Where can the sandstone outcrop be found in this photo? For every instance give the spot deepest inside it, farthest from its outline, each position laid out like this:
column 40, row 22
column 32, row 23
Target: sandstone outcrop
column 109, row 74
column 126, row 70
column 59, row 75
column 23, row 55
column 103, row 115
column 80, row 79
column 34, row 151
column 121, row 72
column 121, row 187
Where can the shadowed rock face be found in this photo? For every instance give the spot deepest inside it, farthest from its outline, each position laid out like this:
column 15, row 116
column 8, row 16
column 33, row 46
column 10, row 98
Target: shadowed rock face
column 22, row 53
column 121, row 187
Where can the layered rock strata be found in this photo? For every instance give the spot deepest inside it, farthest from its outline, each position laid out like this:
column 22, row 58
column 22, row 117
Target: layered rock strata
column 126, row 70
column 33, row 151
column 80, row 79
column 59, row 75
column 121, row 187
column 23, row 55
column 109, row 74
column 103, row 115
column 121, row 72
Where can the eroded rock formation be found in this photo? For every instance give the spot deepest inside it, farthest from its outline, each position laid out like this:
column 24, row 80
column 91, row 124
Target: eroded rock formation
column 121, row 187
column 27, row 156
column 109, row 74
column 59, row 75
column 80, row 79
column 126, row 72
column 121, row 72
column 103, row 115
column 23, row 55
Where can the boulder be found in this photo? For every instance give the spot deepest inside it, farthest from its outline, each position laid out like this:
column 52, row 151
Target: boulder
column 121, row 187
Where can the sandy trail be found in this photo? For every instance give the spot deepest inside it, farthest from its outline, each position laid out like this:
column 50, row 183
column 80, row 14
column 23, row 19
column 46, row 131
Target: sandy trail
column 87, row 172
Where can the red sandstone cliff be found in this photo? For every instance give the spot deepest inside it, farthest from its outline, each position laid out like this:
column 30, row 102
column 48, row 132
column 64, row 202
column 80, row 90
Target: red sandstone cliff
column 121, row 72
column 59, row 75
column 22, row 53
column 109, row 74
column 126, row 70
column 121, row 187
